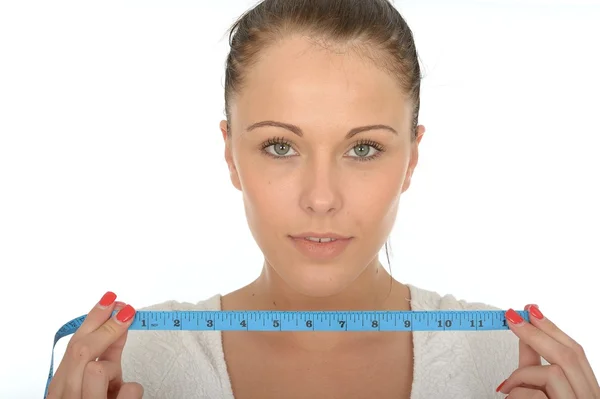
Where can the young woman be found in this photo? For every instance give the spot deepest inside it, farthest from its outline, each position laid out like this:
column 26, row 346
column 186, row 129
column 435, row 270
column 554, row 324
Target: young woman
column 322, row 138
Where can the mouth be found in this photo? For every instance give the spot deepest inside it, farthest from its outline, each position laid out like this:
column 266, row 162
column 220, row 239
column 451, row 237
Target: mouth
column 321, row 237
column 316, row 239
column 325, row 246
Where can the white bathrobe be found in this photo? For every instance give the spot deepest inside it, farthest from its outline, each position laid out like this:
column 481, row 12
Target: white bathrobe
column 447, row 364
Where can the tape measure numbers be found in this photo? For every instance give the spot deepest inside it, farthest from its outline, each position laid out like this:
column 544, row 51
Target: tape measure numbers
column 267, row 320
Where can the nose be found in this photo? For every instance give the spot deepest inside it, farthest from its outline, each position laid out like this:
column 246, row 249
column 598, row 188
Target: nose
column 321, row 192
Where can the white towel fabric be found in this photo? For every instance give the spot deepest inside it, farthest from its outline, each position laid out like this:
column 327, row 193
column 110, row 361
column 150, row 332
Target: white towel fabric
column 450, row 364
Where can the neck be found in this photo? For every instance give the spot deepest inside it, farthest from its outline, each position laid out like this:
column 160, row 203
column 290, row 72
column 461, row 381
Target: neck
column 374, row 289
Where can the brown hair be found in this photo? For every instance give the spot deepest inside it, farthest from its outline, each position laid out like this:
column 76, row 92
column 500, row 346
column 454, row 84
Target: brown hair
column 374, row 27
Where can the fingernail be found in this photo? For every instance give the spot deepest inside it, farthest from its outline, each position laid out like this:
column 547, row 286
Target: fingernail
column 500, row 386
column 125, row 314
column 107, row 299
column 531, row 305
column 513, row 317
column 535, row 312
column 119, row 305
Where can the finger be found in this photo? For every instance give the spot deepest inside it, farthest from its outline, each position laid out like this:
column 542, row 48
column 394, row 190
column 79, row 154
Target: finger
column 96, row 378
column 538, row 340
column 549, row 379
column 526, row 393
column 111, row 331
column 91, row 346
column 97, row 315
column 105, row 304
column 552, row 350
column 131, row 390
column 105, row 374
column 527, row 355
column 549, row 328
column 114, row 352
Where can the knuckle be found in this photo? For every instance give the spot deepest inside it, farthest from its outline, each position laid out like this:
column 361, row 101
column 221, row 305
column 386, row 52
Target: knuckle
column 556, row 372
column 96, row 372
column 110, row 329
column 568, row 357
column 578, row 349
column 95, row 369
column 80, row 351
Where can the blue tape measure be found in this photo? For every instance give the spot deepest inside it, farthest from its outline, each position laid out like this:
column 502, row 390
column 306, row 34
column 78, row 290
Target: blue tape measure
column 267, row 320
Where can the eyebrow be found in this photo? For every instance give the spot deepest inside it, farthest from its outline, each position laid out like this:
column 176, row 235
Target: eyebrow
column 297, row 131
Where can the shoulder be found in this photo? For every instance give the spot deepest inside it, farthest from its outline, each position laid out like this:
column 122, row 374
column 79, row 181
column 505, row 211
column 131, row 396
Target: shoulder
column 478, row 361
column 176, row 363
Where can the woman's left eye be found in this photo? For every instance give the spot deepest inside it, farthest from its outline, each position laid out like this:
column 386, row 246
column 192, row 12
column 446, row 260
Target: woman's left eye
column 366, row 151
column 363, row 150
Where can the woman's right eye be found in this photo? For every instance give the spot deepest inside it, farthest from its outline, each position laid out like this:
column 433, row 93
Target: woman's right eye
column 277, row 148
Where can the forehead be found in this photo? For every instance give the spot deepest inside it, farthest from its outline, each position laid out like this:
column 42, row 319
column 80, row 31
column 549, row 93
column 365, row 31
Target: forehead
column 298, row 80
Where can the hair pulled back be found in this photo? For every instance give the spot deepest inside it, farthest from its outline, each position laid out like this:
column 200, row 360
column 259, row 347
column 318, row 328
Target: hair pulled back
column 374, row 28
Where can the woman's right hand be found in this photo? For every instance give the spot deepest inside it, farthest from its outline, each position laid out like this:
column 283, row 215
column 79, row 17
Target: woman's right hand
column 91, row 366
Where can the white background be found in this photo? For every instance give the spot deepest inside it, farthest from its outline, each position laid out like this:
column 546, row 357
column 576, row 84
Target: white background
column 112, row 174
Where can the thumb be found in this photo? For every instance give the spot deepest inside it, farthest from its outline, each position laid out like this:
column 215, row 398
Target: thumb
column 527, row 355
column 114, row 352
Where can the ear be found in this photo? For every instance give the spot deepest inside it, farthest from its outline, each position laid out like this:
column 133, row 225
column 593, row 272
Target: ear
column 233, row 174
column 414, row 157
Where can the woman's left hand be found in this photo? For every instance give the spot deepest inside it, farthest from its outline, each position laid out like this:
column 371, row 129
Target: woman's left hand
column 569, row 374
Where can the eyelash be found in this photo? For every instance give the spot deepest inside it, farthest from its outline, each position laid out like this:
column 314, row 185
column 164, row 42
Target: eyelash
column 282, row 140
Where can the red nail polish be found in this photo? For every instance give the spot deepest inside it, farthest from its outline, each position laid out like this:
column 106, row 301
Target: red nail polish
column 126, row 314
column 513, row 317
column 107, row 299
column 535, row 312
column 500, row 386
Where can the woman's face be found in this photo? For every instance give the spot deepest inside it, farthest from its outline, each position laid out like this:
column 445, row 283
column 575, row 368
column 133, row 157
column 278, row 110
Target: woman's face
column 313, row 177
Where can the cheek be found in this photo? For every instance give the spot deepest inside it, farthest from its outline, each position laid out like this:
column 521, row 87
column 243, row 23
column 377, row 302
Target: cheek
column 268, row 197
column 374, row 196
column 268, row 200
column 267, row 185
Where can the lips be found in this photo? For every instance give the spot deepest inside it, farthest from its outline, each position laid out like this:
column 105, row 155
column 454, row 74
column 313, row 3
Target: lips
column 316, row 239
column 311, row 234
column 324, row 249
